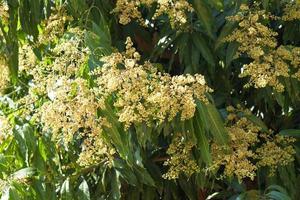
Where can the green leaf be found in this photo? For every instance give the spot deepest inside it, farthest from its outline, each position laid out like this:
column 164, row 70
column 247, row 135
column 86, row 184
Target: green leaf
column 99, row 39
column 188, row 128
column 143, row 133
column 202, row 113
column 257, row 122
column 195, row 57
column 24, row 173
column 30, row 16
column 217, row 125
column 128, row 175
column 265, row 4
column 214, row 122
column 116, row 134
column 40, row 189
column 149, row 193
column 275, row 195
column 290, row 132
column 217, row 4
column 83, row 191
column 103, row 32
column 133, row 193
column 42, row 149
column 77, row 7
column 36, row 10
column 13, row 194
column 226, row 30
column 201, row 179
column 203, row 143
column 65, row 191
column 204, row 48
column 205, row 16
column 5, row 194
column 181, row 41
column 276, row 187
column 12, row 40
column 116, row 185
column 188, row 188
column 21, row 144
column 29, row 137
column 144, row 176
column 230, row 52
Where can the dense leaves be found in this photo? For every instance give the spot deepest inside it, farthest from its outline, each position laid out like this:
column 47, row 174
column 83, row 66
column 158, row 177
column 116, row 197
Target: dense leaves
column 149, row 99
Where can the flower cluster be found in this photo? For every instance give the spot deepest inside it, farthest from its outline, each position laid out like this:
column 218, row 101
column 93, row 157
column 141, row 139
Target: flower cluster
column 65, row 59
column 275, row 152
column 250, row 148
column 3, row 184
column 70, row 54
column 266, row 70
column 175, row 9
column 95, row 150
column 4, row 74
column 27, row 58
column 73, row 102
column 259, row 43
column 71, row 114
column 4, row 12
column 54, row 26
column 5, row 128
column 181, row 159
column 236, row 157
column 69, row 107
column 142, row 94
column 128, row 10
column 292, row 11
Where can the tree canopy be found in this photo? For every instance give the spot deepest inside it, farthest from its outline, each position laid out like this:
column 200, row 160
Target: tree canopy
column 149, row 99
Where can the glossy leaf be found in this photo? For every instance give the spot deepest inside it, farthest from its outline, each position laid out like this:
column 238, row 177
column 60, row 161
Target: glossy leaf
column 203, row 144
column 83, row 191
column 205, row 16
column 65, row 191
column 291, row 132
column 203, row 46
column 214, row 122
column 24, row 173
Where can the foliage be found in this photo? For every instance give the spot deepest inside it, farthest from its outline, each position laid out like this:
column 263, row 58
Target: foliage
column 146, row 99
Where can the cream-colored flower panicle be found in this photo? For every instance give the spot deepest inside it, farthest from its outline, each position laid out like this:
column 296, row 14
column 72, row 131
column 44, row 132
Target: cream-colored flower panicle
column 69, row 106
column 70, row 54
column 176, row 10
column 54, row 26
column 5, row 128
column 27, row 59
column 4, row 75
column 250, row 148
column 142, row 94
column 258, row 42
column 267, row 69
column 66, row 60
column 181, row 160
column 4, row 15
column 276, row 151
column 71, row 114
column 237, row 156
column 128, row 10
column 75, row 105
column 291, row 11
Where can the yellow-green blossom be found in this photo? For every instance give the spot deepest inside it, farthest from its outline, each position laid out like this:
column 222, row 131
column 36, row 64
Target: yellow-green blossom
column 181, row 160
